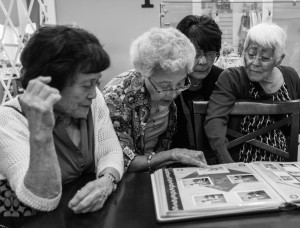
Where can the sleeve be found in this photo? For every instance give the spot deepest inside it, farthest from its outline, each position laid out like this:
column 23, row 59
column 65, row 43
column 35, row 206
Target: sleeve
column 294, row 89
column 220, row 106
column 108, row 152
column 15, row 156
column 296, row 81
column 120, row 114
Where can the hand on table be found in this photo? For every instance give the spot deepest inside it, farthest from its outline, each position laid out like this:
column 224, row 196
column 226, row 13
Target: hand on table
column 189, row 157
column 92, row 196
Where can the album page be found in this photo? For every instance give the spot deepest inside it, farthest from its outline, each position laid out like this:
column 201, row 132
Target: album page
column 283, row 176
column 217, row 190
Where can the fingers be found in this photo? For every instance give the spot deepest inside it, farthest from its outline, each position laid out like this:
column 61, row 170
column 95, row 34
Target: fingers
column 202, row 157
column 93, row 202
column 90, row 198
column 81, row 194
column 38, row 100
column 52, row 99
column 32, row 84
column 191, row 157
column 197, row 162
column 199, row 158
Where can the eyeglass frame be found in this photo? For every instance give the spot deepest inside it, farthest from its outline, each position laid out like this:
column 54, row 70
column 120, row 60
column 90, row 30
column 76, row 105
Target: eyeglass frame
column 204, row 53
column 185, row 87
column 259, row 58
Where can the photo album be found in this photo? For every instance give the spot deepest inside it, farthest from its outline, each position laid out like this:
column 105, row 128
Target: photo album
column 226, row 189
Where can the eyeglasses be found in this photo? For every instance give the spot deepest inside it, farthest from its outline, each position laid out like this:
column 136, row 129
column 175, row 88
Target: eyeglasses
column 261, row 59
column 186, row 85
column 209, row 55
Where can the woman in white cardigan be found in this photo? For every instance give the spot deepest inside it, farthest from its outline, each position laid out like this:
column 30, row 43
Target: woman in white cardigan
column 59, row 129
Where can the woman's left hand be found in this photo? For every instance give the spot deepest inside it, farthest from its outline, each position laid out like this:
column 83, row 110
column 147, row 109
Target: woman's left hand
column 92, row 196
column 189, row 157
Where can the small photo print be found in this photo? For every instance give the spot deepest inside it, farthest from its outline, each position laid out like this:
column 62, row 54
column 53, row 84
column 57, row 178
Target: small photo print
column 209, row 199
column 212, row 170
column 196, row 182
column 290, row 167
column 242, row 178
column 270, row 166
column 253, row 195
column 285, row 177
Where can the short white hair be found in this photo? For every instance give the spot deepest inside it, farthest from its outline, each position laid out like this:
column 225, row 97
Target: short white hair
column 267, row 35
column 162, row 49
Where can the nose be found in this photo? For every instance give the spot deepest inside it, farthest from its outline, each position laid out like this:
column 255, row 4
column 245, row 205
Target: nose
column 256, row 61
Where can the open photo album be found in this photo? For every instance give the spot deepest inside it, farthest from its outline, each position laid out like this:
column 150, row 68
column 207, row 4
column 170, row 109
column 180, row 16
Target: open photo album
column 227, row 189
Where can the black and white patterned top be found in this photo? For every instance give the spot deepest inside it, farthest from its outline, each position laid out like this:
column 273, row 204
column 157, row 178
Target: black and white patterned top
column 251, row 123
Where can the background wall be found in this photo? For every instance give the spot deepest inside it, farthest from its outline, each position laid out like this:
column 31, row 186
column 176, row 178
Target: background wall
column 118, row 22
column 115, row 22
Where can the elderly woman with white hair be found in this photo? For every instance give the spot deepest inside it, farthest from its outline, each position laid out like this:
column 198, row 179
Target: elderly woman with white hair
column 261, row 78
column 141, row 101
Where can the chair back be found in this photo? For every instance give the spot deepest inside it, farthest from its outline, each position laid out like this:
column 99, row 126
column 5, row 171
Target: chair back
column 288, row 109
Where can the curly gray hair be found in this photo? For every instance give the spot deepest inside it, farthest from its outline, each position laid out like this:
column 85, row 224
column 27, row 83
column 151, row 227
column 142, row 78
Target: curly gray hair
column 162, row 49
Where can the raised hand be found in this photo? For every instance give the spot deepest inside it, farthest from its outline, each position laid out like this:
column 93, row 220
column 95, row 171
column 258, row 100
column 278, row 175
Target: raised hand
column 37, row 103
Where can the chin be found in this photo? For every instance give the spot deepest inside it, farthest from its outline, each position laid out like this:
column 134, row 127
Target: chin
column 80, row 113
column 199, row 75
column 254, row 78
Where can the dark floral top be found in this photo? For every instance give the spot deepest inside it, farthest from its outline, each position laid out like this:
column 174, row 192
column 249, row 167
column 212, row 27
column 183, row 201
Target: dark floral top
column 129, row 105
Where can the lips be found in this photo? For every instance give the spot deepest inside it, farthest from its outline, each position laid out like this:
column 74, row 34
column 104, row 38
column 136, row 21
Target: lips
column 200, row 70
column 257, row 72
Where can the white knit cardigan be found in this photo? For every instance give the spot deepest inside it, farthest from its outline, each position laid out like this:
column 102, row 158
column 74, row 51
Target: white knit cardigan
column 15, row 152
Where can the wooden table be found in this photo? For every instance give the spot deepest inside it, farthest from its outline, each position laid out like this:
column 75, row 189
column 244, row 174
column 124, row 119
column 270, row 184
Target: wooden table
column 132, row 206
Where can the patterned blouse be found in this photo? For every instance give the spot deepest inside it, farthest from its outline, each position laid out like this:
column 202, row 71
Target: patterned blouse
column 129, row 106
column 275, row 138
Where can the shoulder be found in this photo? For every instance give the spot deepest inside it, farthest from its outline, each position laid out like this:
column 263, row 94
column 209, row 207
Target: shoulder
column 130, row 82
column 214, row 73
column 289, row 72
column 99, row 100
column 235, row 80
column 11, row 111
column 216, row 70
column 234, row 74
column 128, row 88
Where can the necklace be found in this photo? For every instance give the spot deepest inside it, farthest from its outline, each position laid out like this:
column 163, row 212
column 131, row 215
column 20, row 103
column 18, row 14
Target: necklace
column 154, row 117
column 195, row 85
column 67, row 121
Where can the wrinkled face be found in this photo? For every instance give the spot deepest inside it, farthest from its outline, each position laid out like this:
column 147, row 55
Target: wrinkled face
column 165, row 86
column 77, row 97
column 203, row 64
column 259, row 62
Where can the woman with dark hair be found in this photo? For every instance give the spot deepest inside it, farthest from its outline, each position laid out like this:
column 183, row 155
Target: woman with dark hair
column 205, row 35
column 59, row 129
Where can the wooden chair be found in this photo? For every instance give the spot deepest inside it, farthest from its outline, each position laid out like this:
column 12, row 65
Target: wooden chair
column 242, row 108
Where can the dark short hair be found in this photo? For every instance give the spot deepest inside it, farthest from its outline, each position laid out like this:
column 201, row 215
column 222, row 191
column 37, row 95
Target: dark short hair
column 203, row 32
column 62, row 51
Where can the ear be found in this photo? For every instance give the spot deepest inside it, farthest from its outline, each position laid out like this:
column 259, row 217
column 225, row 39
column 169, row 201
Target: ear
column 280, row 60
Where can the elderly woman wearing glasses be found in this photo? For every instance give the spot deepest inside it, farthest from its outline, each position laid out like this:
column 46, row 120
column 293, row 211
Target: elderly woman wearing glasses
column 206, row 36
column 141, row 101
column 262, row 78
